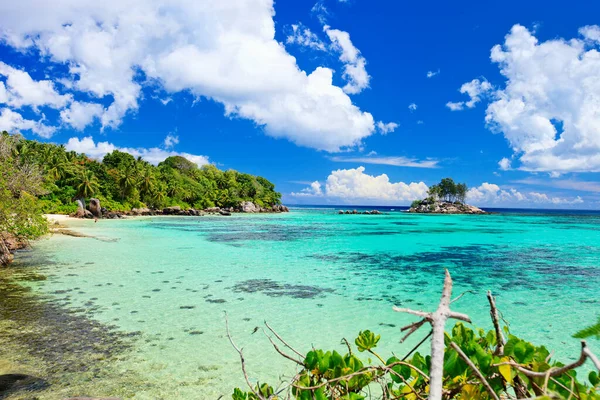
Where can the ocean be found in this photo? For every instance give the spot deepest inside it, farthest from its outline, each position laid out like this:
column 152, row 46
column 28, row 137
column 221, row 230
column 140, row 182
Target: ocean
column 164, row 285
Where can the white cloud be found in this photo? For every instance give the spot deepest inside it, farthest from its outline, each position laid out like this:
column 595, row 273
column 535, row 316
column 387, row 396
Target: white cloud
column 354, row 184
column 208, row 48
column 420, row 122
column 431, row 74
column 475, row 90
column 385, row 128
column 549, row 107
column 81, row 114
column 314, row 190
column 303, row 36
column 395, row 161
column 590, row 32
column 14, row 122
column 355, row 71
column 492, row 194
column 504, row 164
column 170, row 141
column 153, row 155
column 412, row 107
column 22, row 90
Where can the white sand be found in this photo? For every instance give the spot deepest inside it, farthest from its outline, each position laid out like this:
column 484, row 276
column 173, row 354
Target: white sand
column 60, row 218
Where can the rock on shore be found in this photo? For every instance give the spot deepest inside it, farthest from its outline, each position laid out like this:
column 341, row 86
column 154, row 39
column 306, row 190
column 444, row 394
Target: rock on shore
column 443, row 207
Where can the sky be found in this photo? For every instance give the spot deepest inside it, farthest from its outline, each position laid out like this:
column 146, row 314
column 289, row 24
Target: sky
column 335, row 101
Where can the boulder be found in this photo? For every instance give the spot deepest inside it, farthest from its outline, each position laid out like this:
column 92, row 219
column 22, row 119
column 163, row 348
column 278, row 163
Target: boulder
column 212, row 210
column 13, row 382
column 80, row 213
column 249, row 207
column 95, row 208
column 141, row 211
column 376, row 212
column 225, row 213
column 171, row 210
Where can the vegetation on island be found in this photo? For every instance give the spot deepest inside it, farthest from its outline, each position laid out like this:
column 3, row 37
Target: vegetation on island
column 465, row 363
column 122, row 182
column 38, row 178
column 447, row 197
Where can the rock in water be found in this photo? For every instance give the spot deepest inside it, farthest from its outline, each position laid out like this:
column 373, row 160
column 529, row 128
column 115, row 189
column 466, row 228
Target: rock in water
column 95, row 208
column 14, row 382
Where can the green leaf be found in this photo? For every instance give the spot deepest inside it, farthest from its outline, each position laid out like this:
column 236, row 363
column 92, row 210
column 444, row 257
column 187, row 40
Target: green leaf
column 590, row 331
column 366, row 340
column 594, row 378
column 239, row 395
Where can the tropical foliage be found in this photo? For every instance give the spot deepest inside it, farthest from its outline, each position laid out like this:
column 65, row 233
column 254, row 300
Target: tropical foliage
column 20, row 182
column 519, row 370
column 448, row 190
column 122, row 182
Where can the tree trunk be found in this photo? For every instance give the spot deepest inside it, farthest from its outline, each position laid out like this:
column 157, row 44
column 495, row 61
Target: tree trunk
column 6, row 256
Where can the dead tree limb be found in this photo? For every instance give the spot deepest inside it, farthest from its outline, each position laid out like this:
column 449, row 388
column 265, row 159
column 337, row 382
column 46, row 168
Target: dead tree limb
column 241, row 359
column 499, row 336
column 281, row 352
column 475, row 370
column 438, row 320
column 552, row 372
column 284, row 342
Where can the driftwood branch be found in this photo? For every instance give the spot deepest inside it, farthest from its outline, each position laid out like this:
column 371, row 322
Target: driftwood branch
column 281, row 352
column 475, row 370
column 494, row 314
column 552, row 372
column 284, row 342
column 241, row 359
column 438, row 323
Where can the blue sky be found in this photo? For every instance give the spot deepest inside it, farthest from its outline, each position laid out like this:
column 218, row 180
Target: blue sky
column 322, row 98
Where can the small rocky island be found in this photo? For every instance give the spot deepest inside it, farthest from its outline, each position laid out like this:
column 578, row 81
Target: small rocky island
column 447, row 197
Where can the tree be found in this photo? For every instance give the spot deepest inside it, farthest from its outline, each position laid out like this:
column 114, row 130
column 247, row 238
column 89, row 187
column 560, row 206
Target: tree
column 20, row 182
column 88, row 184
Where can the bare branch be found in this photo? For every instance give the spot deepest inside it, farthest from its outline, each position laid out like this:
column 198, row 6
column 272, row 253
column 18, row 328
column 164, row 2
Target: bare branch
column 412, row 329
column 475, row 370
column 494, row 314
column 417, row 346
column 438, row 323
column 457, row 298
column 421, row 314
column 592, row 357
column 241, row 359
column 284, row 342
column 552, row 372
column 281, row 352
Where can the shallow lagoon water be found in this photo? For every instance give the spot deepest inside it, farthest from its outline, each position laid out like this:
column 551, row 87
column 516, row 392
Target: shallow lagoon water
column 316, row 277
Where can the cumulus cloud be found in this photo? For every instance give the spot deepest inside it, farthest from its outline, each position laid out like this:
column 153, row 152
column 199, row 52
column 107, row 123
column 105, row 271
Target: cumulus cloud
column 354, row 184
column 504, row 164
column 208, row 48
column 355, row 71
column 14, row 122
column 170, row 141
column 475, row 90
column 303, row 36
column 395, row 161
column 22, row 90
column 153, row 155
column 549, row 107
column 314, row 190
column 412, row 107
column 81, row 114
column 385, row 128
column 492, row 194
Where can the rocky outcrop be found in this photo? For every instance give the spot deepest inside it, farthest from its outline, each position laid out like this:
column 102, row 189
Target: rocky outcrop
column 249, row 207
column 355, row 212
column 8, row 245
column 429, row 206
column 95, row 208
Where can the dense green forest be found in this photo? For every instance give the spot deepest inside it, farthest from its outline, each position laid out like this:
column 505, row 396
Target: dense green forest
column 122, row 182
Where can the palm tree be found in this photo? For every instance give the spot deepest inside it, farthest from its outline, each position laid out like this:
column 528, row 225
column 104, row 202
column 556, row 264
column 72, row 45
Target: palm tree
column 88, row 184
column 147, row 182
column 58, row 168
column 126, row 182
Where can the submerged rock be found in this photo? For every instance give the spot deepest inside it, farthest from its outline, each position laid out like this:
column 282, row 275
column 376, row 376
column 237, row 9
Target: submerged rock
column 10, row 383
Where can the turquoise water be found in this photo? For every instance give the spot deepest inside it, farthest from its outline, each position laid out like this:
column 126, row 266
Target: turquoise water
column 316, row 277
